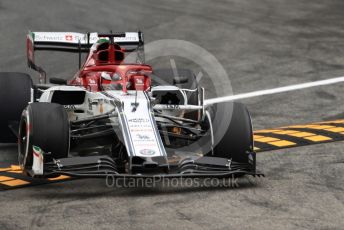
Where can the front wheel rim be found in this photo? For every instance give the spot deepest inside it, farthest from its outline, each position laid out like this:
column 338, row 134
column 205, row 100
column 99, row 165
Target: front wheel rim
column 23, row 141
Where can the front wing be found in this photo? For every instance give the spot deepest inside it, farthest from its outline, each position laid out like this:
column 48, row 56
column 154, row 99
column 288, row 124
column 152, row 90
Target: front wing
column 104, row 166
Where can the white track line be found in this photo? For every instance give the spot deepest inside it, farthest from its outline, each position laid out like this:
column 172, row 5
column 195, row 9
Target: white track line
column 274, row 91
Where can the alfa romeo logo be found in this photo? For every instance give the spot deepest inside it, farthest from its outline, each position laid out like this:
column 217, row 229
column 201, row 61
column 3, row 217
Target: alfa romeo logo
column 147, row 152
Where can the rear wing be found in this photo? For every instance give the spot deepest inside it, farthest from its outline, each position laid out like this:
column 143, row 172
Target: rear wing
column 77, row 43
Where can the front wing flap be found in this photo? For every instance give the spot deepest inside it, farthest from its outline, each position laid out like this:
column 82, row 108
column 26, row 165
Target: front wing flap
column 103, row 166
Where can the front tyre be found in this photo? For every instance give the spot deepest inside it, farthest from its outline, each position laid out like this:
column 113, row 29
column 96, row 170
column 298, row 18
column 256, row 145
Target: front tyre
column 44, row 125
column 236, row 143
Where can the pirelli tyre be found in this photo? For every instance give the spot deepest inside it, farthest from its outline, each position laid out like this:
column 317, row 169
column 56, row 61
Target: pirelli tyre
column 43, row 125
column 182, row 78
column 15, row 94
column 236, row 141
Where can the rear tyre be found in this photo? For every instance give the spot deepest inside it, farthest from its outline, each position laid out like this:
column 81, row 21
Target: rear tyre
column 46, row 126
column 236, row 142
column 15, row 94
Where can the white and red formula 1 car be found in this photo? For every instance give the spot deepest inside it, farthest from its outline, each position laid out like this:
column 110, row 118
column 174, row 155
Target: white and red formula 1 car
column 114, row 118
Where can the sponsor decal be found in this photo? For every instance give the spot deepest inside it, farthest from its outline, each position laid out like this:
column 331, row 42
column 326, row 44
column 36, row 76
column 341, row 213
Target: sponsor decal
column 139, row 81
column 138, row 120
column 135, row 127
column 142, row 137
column 30, row 52
column 89, row 113
column 69, row 37
column 147, row 152
column 59, row 37
column 37, row 152
column 140, row 129
column 69, row 107
column 92, row 81
column 130, row 37
column 90, row 104
column 37, row 165
column 168, row 106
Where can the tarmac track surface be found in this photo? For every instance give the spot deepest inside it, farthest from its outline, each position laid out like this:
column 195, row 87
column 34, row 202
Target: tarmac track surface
column 261, row 44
